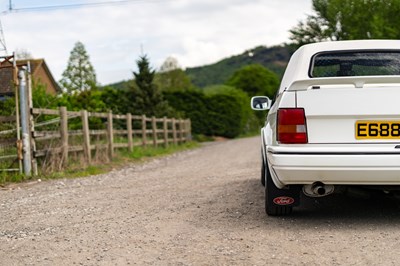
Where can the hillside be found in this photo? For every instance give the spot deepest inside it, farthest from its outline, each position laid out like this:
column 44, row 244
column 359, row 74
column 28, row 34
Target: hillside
column 274, row 58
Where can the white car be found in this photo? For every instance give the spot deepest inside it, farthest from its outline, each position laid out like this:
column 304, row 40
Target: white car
column 334, row 123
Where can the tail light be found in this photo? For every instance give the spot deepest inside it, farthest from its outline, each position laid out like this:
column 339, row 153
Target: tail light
column 292, row 128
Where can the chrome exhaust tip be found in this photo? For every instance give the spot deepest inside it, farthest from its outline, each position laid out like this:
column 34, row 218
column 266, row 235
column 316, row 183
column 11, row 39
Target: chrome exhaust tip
column 318, row 189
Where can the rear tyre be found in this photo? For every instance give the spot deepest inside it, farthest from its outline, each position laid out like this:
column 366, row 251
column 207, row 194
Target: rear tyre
column 279, row 202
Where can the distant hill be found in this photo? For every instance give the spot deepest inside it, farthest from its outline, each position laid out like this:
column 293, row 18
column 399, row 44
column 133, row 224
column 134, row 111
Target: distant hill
column 274, row 58
column 122, row 85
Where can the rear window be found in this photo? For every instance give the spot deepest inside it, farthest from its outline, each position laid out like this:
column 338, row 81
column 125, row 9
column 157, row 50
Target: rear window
column 355, row 63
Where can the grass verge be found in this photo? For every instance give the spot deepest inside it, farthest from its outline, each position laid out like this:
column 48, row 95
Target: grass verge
column 121, row 158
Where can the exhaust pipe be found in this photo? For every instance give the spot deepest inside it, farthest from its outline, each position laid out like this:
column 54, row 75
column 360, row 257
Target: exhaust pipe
column 318, row 189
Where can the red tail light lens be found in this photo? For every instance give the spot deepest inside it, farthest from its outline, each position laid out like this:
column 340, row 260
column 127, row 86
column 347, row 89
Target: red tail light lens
column 292, row 128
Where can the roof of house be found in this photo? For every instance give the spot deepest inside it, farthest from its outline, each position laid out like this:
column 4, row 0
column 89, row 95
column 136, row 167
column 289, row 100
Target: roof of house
column 6, row 77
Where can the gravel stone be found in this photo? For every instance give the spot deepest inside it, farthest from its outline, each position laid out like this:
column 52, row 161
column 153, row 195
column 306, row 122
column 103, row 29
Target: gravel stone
column 198, row 207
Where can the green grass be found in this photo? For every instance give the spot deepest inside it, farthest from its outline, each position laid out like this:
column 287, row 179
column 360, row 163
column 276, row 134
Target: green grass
column 122, row 157
column 146, row 152
column 10, row 177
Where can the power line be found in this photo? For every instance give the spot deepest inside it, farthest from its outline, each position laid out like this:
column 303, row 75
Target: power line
column 71, row 6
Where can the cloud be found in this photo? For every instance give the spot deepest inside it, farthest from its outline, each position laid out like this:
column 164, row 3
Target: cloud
column 197, row 32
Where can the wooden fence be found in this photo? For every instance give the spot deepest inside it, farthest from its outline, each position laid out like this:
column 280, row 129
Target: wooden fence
column 9, row 154
column 60, row 133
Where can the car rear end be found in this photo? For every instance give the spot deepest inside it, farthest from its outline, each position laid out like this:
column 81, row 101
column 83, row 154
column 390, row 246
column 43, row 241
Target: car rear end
column 338, row 126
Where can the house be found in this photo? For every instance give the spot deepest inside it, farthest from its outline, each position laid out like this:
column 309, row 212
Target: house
column 40, row 75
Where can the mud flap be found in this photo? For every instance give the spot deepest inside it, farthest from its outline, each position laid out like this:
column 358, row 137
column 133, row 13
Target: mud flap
column 288, row 196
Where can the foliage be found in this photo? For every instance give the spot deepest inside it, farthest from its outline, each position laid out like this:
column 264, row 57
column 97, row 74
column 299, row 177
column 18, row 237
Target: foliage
column 348, row 20
column 173, row 80
column 169, row 64
column 255, row 80
column 115, row 100
column 274, row 58
column 151, row 151
column 23, row 54
column 191, row 104
column 248, row 120
column 144, row 95
column 123, row 157
column 224, row 115
column 79, row 74
column 91, row 101
column 42, row 99
column 7, row 106
column 219, row 111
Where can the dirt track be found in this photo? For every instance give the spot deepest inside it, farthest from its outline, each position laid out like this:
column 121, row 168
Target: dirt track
column 200, row 207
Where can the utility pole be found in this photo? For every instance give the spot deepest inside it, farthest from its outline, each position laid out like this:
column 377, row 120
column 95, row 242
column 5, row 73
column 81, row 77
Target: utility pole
column 24, row 123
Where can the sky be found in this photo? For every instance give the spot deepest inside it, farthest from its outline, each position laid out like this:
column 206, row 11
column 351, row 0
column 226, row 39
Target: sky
column 195, row 32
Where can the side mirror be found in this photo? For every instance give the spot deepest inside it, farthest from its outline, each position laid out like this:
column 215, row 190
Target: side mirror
column 260, row 103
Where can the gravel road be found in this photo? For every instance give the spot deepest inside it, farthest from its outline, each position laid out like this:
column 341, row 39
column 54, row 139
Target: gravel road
column 198, row 207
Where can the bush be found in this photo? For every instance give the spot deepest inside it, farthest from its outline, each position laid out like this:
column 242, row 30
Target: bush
column 220, row 111
column 191, row 104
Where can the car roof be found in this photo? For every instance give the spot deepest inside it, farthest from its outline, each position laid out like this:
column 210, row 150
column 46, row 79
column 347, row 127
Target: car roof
column 299, row 63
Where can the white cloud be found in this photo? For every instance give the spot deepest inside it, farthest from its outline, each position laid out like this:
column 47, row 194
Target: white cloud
column 197, row 32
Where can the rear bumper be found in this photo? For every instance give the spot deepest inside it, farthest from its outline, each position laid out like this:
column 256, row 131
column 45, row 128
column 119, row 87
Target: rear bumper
column 336, row 169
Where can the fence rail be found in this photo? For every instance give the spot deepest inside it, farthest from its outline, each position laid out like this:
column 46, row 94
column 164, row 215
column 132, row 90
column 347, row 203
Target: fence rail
column 58, row 134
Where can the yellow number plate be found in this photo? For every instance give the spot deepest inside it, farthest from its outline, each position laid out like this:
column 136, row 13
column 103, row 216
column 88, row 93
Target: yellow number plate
column 377, row 129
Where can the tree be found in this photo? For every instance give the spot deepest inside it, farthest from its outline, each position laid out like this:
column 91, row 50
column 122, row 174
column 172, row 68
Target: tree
column 42, row 99
column 255, row 80
column 245, row 119
column 171, row 77
column 169, row 64
column 191, row 104
column 145, row 96
column 348, row 20
column 23, row 54
column 173, row 80
column 79, row 75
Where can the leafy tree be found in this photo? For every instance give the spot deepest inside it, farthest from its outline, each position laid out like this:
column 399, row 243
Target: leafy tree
column 86, row 100
column 255, row 80
column 191, row 104
column 215, row 111
column 145, row 97
column 42, row 99
column 173, row 80
column 224, row 115
column 169, row 64
column 115, row 100
column 248, row 122
column 348, row 20
column 23, row 54
column 79, row 74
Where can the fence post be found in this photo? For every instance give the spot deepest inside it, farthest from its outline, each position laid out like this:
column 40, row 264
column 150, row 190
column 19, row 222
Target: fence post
column 189, row 129
column 154, row 129
column 144, row 130
column 64, row 135
column 31, row 121
column 17, row 114
column 181, row 130
column 110, row 135
column 86, row 136
column 174, row 131
column 165, row 127
column 129, row 128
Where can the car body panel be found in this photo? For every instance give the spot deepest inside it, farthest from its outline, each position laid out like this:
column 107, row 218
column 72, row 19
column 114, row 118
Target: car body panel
column 333, row 105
